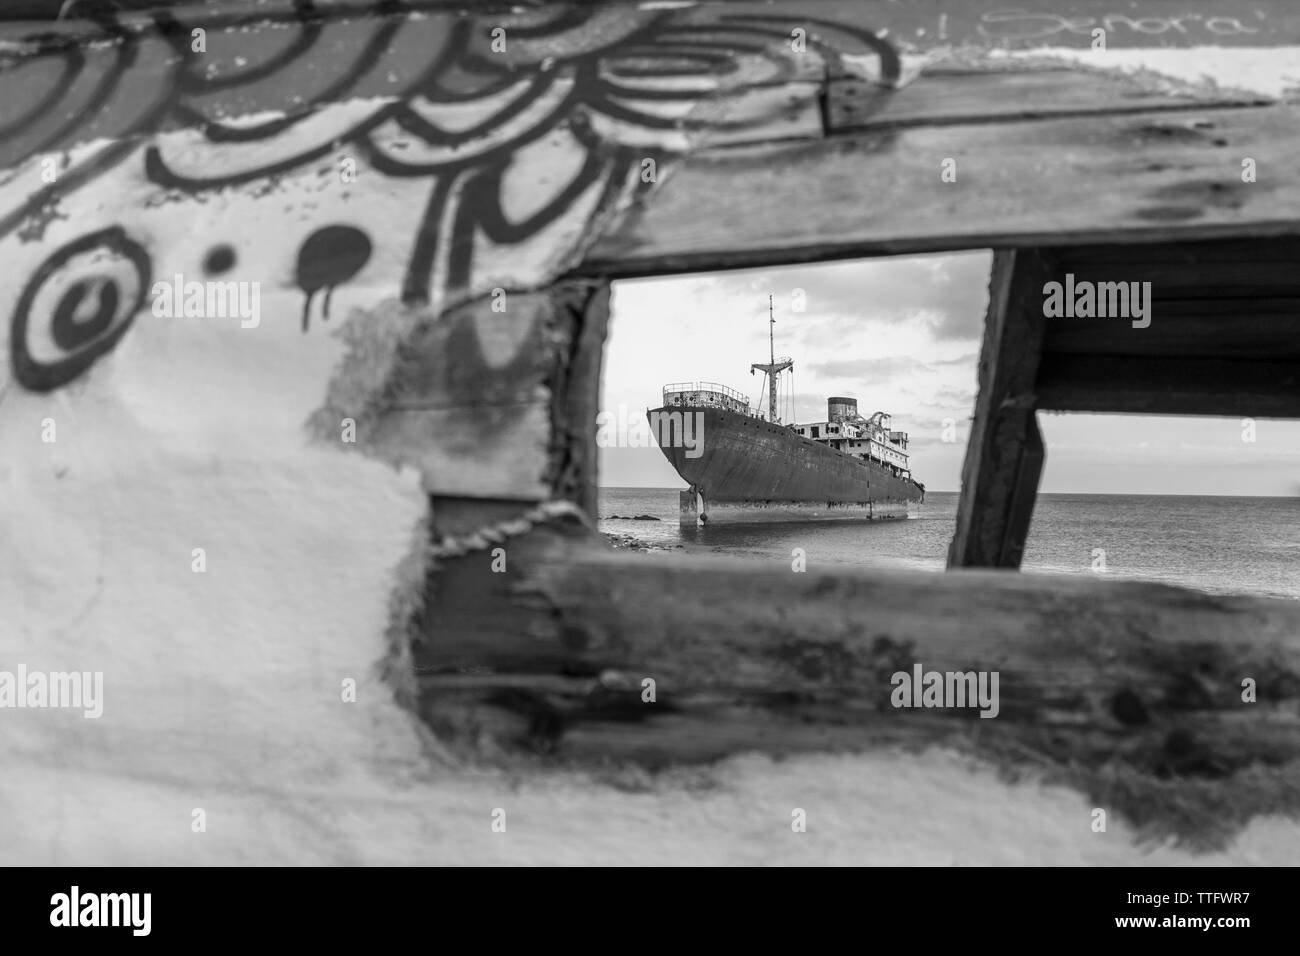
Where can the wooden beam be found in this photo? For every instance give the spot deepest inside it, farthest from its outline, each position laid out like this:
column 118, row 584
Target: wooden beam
column 999, row 94
column 1169, row 386
column 1225, row 268
column 1237, row 299
column 921, row 24
column 1004, row 456
column 574, row 384
column 1147, row 177
column 1247, row 329
column 1130, row 692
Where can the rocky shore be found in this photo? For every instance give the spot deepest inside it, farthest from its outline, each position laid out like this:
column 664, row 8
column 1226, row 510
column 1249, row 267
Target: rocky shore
column 630, row 542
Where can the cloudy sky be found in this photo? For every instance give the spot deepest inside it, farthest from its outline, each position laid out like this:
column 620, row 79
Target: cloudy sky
column 901, row 335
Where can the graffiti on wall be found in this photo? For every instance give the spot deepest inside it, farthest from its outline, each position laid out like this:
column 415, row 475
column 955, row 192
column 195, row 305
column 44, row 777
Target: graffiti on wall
column 432, row 156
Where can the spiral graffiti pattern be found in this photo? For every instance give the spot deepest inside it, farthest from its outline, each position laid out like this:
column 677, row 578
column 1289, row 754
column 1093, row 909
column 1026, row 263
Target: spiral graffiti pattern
column 76, row 307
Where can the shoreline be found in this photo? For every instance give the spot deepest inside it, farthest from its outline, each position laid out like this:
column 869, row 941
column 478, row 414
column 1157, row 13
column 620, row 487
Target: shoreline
column 625, row 541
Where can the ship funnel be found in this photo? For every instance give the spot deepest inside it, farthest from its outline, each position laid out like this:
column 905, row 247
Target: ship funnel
column 841, row 409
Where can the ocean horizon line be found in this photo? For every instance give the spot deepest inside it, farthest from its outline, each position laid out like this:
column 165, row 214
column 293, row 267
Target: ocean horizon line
column 1041, row 494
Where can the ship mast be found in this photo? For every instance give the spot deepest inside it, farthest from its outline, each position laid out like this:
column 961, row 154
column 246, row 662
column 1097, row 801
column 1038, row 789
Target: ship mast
column 773, row 368
column 771, row 331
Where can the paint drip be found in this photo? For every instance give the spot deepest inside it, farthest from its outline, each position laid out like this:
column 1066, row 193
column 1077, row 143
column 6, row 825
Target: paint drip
column 329, row 257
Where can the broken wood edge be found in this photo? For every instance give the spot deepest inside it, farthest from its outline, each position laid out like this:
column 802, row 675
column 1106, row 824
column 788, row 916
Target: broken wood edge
column 1129, row 693
column 407, row 368
column 575, row 319
column 384, row 349
column 574, row 384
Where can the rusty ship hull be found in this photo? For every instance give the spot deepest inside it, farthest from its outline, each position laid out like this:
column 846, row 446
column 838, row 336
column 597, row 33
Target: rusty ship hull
column 746, row 469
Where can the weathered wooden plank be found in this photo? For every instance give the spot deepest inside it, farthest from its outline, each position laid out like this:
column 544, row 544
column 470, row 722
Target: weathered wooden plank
column 1169, row 386
column 1123, row 179
column 1244, row 328
column 1224, row 269
column 1001, row 95
column 1121, row 689
column 918, row 24
column 922, row 25
column 1236, row 299
column 1004, row 456
column 1246, row 259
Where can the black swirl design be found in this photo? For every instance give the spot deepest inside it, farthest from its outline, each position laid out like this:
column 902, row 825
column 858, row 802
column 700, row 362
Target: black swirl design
column 77, row 306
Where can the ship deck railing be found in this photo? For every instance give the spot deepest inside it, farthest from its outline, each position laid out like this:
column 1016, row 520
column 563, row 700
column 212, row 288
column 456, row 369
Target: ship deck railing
column 682, row 387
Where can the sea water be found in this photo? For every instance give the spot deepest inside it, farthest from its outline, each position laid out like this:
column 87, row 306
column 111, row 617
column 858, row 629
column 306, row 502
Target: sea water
column 1218, row 544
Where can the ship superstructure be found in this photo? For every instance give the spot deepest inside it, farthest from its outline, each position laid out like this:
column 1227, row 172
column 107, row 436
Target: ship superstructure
column 869, row 438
